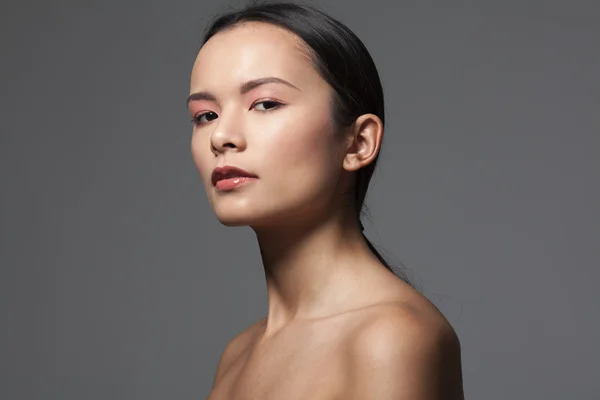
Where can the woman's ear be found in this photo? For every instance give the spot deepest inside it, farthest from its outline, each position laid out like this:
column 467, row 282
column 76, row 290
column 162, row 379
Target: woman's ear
column 364, row 142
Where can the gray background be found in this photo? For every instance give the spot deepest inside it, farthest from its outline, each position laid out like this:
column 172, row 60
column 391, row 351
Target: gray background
column 117, row 282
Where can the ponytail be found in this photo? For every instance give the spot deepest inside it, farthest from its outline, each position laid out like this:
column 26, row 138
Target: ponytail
column 400, row 274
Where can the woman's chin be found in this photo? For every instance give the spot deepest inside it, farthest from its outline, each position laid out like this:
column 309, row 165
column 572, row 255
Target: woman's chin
column 235, row 219
column 251, row 219
column 233, row 223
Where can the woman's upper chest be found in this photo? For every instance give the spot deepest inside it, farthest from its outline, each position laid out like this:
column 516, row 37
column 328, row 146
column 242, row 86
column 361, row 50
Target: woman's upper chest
column 306, row 363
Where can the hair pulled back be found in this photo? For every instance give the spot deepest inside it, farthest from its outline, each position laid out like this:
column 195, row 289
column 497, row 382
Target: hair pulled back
column 341, row 59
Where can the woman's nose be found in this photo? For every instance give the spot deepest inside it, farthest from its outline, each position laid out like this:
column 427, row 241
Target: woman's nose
column 227, row 137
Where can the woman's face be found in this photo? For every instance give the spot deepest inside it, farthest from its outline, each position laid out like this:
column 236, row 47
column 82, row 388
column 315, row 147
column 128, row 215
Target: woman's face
column 259, row 105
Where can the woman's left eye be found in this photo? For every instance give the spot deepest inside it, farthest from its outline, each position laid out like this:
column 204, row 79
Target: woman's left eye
column 266, row 105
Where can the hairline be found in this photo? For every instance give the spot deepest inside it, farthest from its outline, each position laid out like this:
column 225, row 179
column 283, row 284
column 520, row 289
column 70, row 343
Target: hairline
column 307, row 51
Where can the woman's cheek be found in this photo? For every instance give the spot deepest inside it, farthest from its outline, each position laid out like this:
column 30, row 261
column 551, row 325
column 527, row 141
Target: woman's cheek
column 200, row 156
column 300, row 136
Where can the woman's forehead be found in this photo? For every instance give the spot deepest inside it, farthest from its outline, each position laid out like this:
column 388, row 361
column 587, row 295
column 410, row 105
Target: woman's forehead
column 253, row 50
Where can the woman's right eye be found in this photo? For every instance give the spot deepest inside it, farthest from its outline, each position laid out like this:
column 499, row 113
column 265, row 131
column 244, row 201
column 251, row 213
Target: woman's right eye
column 203, row 118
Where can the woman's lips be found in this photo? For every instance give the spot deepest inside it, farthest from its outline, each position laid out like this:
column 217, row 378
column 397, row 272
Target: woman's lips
column 233, row 183
column 229, row 177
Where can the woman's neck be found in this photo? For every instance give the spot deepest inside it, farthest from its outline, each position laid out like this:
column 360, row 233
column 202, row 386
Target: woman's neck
column 310, row 270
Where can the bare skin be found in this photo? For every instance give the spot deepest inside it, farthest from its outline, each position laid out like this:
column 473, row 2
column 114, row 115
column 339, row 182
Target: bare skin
column 339, row 324
column 317, row 358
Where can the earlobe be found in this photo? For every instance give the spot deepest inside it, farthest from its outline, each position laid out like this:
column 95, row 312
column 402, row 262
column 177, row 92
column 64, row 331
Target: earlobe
column 364, row 143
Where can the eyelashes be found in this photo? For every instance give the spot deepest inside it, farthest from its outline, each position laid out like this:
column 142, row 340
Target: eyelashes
column 274, row 104
column 205, row 117
column 197, row 120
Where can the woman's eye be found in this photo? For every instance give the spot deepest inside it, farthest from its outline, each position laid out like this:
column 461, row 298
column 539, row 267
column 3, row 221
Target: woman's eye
column 266, row 105
column 203, row 118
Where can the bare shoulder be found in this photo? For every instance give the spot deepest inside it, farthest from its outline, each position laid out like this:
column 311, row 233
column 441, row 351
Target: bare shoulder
column 406, row 350
column 236, row 347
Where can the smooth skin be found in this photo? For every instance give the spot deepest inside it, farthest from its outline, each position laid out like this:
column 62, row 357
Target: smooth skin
column 339, row 324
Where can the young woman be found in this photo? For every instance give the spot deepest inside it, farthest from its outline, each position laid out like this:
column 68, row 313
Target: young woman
column 288, row 116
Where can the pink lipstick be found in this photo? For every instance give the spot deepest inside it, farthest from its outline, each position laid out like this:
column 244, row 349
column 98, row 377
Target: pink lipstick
column 229, row 178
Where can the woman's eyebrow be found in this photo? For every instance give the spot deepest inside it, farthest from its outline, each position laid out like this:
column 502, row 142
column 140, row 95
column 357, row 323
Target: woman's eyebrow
column 201, row 96
column 248, row 86
column 244, row 88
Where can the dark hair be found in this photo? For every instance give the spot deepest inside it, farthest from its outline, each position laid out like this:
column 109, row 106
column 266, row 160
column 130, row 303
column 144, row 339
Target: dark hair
column 341, row 59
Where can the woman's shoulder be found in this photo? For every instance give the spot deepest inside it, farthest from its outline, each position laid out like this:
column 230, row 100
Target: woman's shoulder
column 395, row 305
column 243, row 339
column 416, row 320
column 237, row 346
column 404, row 319
column 408, row 347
